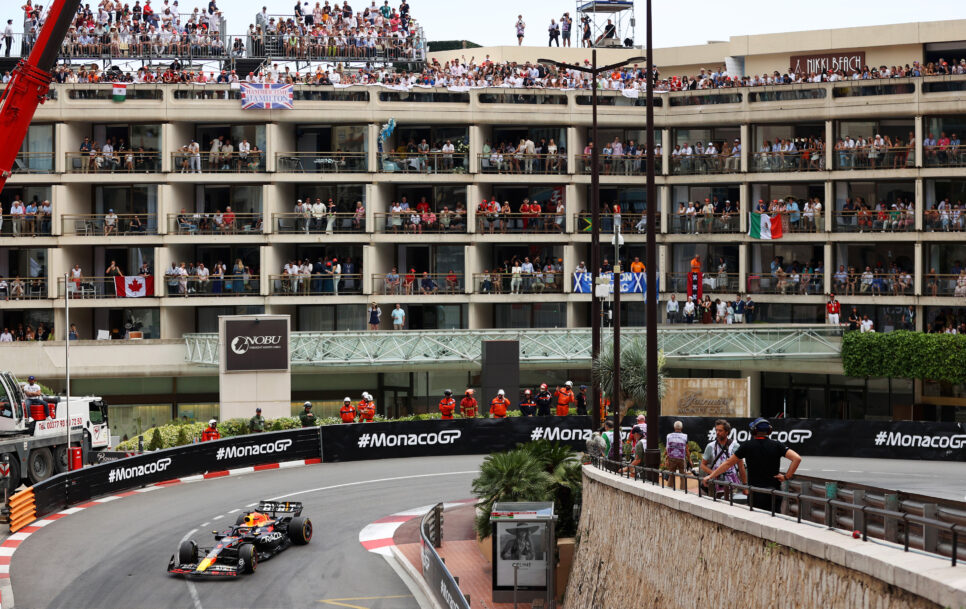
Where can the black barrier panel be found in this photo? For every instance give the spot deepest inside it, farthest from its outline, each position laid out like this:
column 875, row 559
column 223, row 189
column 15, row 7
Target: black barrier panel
column 51, row 496
column 361, row 441
column 835, row 438
column 438, row 578
column 159, row 466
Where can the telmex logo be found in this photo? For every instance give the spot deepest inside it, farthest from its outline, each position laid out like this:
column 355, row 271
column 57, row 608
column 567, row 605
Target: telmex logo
column 241, row 344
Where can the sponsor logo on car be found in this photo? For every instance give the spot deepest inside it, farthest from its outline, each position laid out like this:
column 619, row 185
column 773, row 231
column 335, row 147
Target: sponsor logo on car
column 136, row 471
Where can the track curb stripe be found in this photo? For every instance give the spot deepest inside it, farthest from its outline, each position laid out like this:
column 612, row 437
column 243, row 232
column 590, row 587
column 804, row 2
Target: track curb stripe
column 378, row 536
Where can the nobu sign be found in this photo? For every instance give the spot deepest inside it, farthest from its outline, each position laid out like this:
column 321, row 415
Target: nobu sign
column 256, row 345
column 847, row 62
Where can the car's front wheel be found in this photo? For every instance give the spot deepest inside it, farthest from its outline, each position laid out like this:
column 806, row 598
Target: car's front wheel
column 300, row 531
column 188, row 552
column 247, row 558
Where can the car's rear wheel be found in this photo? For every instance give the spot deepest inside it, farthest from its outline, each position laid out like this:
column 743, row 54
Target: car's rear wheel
column 247, row 558
column 300, row 531
column 188, row 552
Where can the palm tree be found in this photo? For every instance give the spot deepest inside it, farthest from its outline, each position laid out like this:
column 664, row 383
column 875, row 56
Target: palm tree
column 633, row 373
column 508, row 476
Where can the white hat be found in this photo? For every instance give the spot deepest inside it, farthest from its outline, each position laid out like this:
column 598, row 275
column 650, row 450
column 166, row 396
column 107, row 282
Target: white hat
column 212, row 422
column 569, row 383
column 500, row 392
column 347, row 399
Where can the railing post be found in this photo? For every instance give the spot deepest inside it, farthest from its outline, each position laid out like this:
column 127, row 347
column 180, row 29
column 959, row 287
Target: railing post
column 930, row 534
column 891, row 525
column 831, row 493
column 858, row 515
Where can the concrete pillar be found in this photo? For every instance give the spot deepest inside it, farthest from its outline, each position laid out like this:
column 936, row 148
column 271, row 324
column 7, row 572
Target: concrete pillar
column 667, row 145
column 920, row 202
column 571, row 258
column 475, row 148
column 745, row 205
column 743, row 262
column 664, row 192
column 919, row 136
column 471, row 267
column 829, row 205
column 829, row 144
column 372, row 146
column 172, row 140
column 576, row 141
column 663, row 282
column 282, row 136
column 754, row 392
column 829, row 268
column 373, row 264
column 918, row 270
column 745, row 146
column 575, row 200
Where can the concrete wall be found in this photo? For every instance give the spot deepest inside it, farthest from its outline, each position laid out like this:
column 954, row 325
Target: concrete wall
column 713, row 555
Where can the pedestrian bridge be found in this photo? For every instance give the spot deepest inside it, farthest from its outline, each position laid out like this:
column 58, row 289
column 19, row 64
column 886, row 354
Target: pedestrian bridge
column 462, row 349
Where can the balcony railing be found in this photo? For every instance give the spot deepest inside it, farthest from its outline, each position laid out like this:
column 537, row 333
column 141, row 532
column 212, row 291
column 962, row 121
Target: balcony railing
column 324, row 284
column 877, row 284
column 701, row 164
column 630, row 223
column 948, row 220
column 716, row 283
column 207, row 162
column 23, row 288
column 418, row 283
column 945, row 285
column 499, row 162
column 405, row 222
column 875, row 157
column 208, row 223
column 325, row 223
column 322, row 162
column 791, row 282
column 624, row 165
column 98, row 287
column 867, row 220
column 801, row 160
column 520, row 223
column 423, row 162
column 699, row 223
column 229, row 285
column 526, row 283
column 800, row 221
column 128, row 161
column 34, row 162
column 108, row 225
column 22, row 225
column 950, row 156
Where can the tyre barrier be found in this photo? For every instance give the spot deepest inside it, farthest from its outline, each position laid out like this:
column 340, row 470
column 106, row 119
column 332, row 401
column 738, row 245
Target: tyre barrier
column 23, row 509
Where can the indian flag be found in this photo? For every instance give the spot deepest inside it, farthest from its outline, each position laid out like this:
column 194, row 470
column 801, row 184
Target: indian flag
column 763, row 226
column 120, row 92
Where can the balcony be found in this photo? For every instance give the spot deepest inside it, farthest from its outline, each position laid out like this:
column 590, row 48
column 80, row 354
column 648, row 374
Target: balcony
column 525, row 283
column 630, row 222
column 868, row 220
column 506, row 163
column 108, row 225
column 625, row 165
column 944, row 156
column 23, row 225
column 874, row 157
column 312, row 224
column 17, row 288
column 801, row 160
column 205, row 162
column 794, row 222
column 869, row 283
column 945, row 285
column 315, row 285
column 322, row 162
column 718, row 283
column 411, row 222
column 521, row 223
column 710, row 224
column 121, row 162
column 214, row 224
column 704, row 164
column 217, row 286
column 33, row 162
column 786, row 283
column 423, row 162
column 98, row 288
column 413, row 283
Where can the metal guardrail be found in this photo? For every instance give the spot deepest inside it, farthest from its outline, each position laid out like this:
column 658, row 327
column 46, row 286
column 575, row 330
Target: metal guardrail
column 939, row 537
column 444, row 586
column 537, row 346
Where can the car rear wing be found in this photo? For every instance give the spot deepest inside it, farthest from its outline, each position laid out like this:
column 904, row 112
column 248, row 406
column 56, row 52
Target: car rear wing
column 280, row 507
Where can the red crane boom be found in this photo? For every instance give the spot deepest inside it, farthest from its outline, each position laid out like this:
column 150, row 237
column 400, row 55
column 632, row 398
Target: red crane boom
column 30, row 82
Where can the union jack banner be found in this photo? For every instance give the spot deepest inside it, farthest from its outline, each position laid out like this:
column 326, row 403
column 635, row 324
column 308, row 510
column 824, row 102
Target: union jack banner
column 267, row 97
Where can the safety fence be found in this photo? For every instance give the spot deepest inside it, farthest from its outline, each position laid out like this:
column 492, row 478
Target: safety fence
column 916, row 531
column 444, row 586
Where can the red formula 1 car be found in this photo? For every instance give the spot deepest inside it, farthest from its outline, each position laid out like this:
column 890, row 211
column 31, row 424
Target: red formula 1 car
column 256, row 536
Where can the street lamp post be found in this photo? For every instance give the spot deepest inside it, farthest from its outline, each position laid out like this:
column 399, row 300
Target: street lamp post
column 594, row 71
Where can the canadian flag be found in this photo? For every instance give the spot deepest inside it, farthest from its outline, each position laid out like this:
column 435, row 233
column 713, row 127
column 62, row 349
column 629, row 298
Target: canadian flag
column 134, row 287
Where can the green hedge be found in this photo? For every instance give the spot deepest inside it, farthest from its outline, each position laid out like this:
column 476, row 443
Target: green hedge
column 905, row 354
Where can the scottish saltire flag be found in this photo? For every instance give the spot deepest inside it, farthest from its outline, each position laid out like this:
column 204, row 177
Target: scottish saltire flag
column 267, row 97
column 631, row 283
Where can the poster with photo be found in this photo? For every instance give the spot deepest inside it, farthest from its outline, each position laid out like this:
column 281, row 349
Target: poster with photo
column 523, row 543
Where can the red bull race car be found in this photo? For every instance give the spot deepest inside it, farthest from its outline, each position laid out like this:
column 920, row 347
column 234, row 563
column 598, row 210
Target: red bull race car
column 257, row 535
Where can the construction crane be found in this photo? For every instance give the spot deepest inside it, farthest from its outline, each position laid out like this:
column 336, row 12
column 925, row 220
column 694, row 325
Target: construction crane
column 30, row 82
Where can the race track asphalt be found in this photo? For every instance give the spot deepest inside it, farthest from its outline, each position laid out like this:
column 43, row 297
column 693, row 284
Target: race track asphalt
column 114, row 555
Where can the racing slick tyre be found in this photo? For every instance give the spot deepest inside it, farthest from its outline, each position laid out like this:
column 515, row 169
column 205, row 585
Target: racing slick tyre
column 247, row 558
column 300, row 531
column 40, row 465
column 188, row 552
column 240, row 520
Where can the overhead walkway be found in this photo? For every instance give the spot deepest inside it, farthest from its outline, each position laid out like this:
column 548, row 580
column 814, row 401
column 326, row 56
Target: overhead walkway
column 541, row 348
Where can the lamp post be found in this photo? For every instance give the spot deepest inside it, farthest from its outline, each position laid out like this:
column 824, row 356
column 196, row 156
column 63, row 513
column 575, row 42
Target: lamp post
column 594, row 71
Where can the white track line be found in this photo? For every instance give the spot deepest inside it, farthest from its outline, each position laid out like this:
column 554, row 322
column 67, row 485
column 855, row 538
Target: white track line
column 362, row 482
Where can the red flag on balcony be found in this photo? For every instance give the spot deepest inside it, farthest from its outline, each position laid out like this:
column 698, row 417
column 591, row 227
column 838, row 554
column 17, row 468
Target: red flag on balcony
column 695, row 285
column 134, row 287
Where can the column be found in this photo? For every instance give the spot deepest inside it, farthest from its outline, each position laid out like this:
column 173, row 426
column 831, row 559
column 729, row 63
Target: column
column 475, row 146
column 746, row 204
column 918, row 269
column 575, row 200
column 571, row 258
column 472, row 266
column 742, row 267
column 664, row 192
column 919, row 136
column 373, row 161
column 830, row 145
column 754, row 391
column 663, row 282
column 271, row 262
column 745, row 145
column 829, row 268
column 576, row 141
column 829, row 205
column 921, row 201
column 667, row 146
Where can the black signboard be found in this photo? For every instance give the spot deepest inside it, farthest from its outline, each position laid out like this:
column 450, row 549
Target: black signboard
column 438, row 578
column 256, row 345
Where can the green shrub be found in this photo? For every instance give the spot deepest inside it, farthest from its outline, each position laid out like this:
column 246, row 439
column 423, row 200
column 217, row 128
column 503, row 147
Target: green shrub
column 156, row 442
column 905, row 354
column 182, row 437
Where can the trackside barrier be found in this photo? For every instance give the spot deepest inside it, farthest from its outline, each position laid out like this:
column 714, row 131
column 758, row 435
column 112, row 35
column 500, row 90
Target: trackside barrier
column 445, row 589
column 23, row 510
column 799, row 500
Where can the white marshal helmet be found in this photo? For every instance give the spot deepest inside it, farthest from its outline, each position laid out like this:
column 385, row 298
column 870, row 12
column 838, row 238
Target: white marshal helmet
column 307, row 404
column 569, row 383
column 212, row 423
column 347, row 399
column 500, row 392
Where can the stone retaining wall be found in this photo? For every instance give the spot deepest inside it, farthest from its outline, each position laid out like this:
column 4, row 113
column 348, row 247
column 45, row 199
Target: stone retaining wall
column 714, row 555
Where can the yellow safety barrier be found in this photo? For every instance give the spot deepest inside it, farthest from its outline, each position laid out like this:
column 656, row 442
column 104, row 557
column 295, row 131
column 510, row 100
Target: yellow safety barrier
column 23, row 510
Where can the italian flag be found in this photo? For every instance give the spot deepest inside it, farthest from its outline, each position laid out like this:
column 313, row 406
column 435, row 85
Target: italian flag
column 120, row 92
column 763, row 226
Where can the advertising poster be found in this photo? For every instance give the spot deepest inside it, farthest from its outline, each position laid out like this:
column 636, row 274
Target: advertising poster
column 523, row 543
